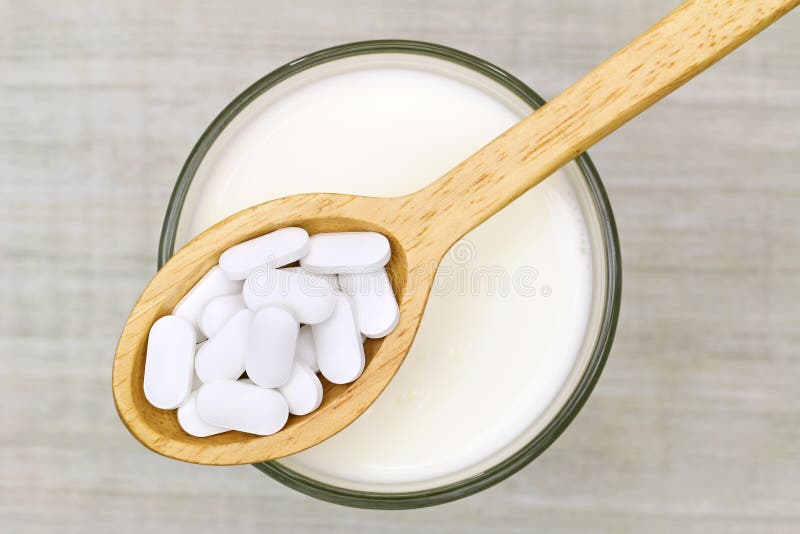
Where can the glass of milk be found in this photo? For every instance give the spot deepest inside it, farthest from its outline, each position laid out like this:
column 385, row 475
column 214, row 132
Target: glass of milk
column 523, row 311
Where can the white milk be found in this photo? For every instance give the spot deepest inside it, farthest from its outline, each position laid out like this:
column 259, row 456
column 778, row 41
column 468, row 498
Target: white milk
column 486, row 366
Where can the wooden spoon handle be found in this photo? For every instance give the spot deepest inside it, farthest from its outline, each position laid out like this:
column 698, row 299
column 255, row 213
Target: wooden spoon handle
column 688, row 40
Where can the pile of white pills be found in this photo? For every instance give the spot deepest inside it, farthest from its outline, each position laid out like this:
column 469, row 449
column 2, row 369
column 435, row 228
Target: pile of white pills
column 280, row 325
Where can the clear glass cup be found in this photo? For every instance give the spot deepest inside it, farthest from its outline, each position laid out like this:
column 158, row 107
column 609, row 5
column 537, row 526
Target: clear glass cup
column 606, row 265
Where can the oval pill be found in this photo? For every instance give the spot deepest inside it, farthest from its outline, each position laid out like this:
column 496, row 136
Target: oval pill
column 213, row 284
column 218, row 311
column 238, row 405
column 305, row 351
column 190, row 420
column 222, row 357
column 303, row 391
column 309, row 299
column 168, row 362
column 275, row 249
column 270, row 348
column 376, row 309
column 347, row 252
column 340, row 352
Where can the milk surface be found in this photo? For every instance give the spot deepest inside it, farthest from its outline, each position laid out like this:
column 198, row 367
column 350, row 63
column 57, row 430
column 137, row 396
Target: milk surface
column 508, row 314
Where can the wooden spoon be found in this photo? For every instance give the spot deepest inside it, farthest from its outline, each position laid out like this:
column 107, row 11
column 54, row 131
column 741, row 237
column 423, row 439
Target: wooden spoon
column 423, row 226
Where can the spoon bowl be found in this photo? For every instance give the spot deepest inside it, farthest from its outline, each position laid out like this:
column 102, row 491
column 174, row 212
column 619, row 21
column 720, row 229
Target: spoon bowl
column 159, row 430
column 424, row 225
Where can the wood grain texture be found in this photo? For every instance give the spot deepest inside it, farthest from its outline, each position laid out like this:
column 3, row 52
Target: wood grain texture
column 695, row 424
column 424, row 225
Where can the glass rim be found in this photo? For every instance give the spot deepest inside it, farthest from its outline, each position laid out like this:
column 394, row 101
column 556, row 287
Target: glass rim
column 611, row 301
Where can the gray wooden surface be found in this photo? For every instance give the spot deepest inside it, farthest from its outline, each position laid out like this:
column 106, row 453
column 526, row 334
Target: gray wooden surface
column 695, row 425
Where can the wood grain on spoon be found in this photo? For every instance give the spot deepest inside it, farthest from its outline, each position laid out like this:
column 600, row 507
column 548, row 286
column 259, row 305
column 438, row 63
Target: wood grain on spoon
column 424, row 225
